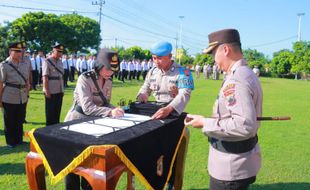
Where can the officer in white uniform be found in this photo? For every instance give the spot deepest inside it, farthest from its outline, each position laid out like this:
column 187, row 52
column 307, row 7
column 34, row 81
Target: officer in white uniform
column 170, row 83
column 234, row 154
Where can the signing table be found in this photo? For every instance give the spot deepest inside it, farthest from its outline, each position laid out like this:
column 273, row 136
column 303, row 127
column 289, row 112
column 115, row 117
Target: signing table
column 101, row 149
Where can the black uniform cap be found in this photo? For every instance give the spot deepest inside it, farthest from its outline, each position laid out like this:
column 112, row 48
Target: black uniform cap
column 107, row 58
column 16, row 46
column 221, row 37
column 58, row 46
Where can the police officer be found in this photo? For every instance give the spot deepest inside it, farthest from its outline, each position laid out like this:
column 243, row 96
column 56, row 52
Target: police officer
column 14, row 85
column 170, row 83
column 92, row 98
column 53, row 85
column 234, row 154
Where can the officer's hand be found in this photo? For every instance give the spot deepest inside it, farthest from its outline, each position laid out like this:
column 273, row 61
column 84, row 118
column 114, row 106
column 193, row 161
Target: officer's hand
column 117, row 112
column 47, row 95
column 142, row 98
column 1, row 104
column 162, row 112
column 196, row 121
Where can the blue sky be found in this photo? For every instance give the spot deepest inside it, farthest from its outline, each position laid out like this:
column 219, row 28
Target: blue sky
column 265, row 25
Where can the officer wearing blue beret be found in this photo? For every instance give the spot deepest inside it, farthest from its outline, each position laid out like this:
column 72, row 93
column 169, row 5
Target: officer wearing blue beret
column 170, row 83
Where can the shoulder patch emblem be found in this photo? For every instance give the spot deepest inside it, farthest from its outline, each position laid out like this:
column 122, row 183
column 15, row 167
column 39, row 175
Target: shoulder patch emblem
column 229, row 94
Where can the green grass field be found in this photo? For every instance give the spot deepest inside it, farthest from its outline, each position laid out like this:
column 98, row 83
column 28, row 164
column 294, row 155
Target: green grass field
column 285, row 144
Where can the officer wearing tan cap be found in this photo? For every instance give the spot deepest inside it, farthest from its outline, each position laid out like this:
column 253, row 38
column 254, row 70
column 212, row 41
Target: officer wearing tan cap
column 14, row 85
column 234, row 154
column 92, row 97
column 170, row 83
column 53, row 86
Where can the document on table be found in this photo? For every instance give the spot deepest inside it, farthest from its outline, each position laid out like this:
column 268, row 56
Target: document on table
column 101, row 126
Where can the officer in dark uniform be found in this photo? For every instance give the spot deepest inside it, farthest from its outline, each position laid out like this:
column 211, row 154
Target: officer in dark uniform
column 53, row 85
column 14, row 84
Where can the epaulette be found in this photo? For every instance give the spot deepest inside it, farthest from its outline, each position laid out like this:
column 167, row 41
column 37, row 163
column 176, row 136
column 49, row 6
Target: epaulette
column 88, row 74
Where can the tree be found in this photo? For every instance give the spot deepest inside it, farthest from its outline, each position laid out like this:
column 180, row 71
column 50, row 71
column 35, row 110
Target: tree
column 300, row 59
column 254, row 57
column 136, row 52
column 42, row 30
column 281, row 62
column 4, row 42
column 83, row 32
column 203, row 58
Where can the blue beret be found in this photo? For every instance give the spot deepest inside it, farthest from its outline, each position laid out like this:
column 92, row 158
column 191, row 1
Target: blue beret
column 161, row 48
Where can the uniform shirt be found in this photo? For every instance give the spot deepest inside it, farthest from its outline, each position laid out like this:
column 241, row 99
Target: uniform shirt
column 54, row 86
column 66, row 64
column 150, row 64
column 164, row 86
column 87, row 96
column 10, row 94
column 40, row 60
column 130, row 66
column 35, row 64
column 238, row 105
column 138, row 66
column 145, row 66
column 123, row 65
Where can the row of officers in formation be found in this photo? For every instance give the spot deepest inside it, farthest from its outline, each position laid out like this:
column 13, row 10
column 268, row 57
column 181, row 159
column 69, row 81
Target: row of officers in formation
column 234, row 152
column 132, row 69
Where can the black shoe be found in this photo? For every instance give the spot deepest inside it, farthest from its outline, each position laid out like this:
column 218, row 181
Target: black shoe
column 10, row 146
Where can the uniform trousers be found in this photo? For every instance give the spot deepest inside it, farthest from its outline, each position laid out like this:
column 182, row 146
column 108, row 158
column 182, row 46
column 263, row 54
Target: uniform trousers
column 53, row 108
column 14, row 115
column 241, row 184
column 66, row 77
column 35, row 79
column 71, row 75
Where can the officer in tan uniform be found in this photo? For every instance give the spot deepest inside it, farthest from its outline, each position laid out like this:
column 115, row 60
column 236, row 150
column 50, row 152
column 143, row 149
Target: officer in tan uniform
column 92, row 97
column 234, row 154
column 52, row 74
column 170, row 83
column 14, row 85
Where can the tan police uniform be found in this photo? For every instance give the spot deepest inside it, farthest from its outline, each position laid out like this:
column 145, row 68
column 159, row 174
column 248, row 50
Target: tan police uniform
column 14, row 98
column 238, row 105
column 54, row 71
column 86, row 97
column 164, row 86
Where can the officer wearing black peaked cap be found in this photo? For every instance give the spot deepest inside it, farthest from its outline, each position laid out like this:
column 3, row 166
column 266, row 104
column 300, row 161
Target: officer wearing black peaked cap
column 53, row 86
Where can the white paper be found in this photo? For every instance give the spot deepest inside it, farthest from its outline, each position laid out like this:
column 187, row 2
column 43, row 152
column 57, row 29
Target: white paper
column 107, row 125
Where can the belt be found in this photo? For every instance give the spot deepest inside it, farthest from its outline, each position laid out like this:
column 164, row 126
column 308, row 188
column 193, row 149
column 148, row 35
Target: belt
column 78, row 109
column 235, row 147
column 19, row 86
column 54, row 78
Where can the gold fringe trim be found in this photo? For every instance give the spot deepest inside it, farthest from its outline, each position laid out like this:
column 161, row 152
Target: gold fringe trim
column 70, row 167
column 89, row 150
column 131, row 166
column 174, row 156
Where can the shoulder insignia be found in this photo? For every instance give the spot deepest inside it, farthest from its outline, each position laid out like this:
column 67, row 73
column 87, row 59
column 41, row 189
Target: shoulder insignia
column 229, row 94
column 229, row 89
column 185, row 79
column 88, row 74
